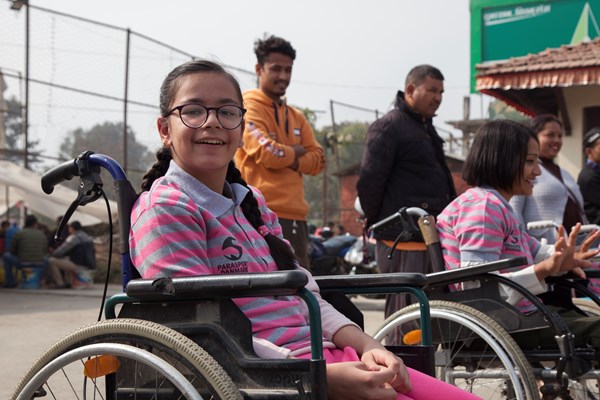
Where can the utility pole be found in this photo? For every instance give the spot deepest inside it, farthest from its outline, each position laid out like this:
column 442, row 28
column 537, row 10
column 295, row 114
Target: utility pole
column 17, row 5
column 3, row 113
column 126, row 100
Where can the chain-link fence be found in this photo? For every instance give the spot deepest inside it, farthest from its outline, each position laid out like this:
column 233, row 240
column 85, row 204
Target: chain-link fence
column 66, row 76
column 63, row 73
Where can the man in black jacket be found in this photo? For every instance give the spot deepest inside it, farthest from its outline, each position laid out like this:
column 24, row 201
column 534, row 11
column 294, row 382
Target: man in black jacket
column 404, row 166
column 589, row 177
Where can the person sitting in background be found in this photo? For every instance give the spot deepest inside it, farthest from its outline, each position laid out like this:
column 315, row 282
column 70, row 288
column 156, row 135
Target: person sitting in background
column 556, row 195
column 27, row 247
column 8, row 235
column 3, row 228
column 75, row 253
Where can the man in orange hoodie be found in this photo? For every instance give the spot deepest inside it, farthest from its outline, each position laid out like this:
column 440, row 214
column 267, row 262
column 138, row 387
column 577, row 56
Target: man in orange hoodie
column 279, row 144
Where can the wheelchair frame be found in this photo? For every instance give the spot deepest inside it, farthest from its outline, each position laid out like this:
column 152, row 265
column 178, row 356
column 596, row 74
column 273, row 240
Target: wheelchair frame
column 571, row 363
column 196, row 307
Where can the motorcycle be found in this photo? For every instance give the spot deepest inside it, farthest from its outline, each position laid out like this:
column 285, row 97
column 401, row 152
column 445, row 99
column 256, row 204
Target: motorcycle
column 327, row 255
column 341, row 255
column 361, row 257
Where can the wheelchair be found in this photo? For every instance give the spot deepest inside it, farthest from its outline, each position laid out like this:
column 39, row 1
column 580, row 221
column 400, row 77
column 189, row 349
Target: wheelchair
column 183, row 338
column 472, row 330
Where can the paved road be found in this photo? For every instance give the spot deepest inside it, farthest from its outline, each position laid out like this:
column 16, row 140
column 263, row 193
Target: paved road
column 32, row 320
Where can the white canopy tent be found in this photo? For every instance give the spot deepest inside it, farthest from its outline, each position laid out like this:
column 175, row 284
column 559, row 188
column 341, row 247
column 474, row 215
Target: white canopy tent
column 18, row 184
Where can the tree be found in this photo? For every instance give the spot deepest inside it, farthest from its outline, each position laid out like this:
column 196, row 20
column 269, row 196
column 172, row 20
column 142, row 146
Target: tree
column 343, row 149
column 348, row 143
column 15, row 135
column 500, row 110
column 107, row 138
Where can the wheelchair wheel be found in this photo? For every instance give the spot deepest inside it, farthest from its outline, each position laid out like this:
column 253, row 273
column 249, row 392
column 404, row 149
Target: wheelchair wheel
column 91, row 356
column 471, row 351
column 128, row 376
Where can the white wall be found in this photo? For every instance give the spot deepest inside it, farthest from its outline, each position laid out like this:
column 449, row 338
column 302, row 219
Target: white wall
column 577, row 98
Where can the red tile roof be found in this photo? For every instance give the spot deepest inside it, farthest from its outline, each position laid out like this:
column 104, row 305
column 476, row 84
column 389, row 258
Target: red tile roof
column 568, row 65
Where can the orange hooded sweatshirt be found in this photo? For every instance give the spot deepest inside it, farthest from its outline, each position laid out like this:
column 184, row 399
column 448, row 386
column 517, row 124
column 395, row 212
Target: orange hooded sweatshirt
column 265, row 159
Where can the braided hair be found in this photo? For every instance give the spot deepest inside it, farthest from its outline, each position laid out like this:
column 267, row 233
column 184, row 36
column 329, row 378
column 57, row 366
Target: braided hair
column 282, row 254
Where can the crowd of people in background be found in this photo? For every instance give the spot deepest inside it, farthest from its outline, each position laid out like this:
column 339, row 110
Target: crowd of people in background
column 32, row 252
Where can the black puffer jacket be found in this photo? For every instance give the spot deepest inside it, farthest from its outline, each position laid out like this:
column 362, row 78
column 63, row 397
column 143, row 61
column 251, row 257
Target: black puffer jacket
column 403, row 166
column 589, row 183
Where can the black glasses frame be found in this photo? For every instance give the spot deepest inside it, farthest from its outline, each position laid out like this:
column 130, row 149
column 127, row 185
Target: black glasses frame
column 208, row 110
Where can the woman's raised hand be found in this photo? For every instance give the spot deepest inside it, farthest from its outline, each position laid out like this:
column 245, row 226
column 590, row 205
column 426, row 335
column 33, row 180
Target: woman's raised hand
column 584, row 252
column 563, row 260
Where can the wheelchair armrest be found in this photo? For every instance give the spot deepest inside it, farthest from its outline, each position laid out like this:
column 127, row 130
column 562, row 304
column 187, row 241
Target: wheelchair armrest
column 280, row 283
column 371, row 281
column 465, row 274
column 589, row 273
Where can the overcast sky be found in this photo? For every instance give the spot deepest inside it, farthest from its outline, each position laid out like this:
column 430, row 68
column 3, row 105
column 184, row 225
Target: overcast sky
column 351, row 51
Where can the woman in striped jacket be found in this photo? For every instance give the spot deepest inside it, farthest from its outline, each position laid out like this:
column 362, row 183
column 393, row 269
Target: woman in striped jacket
column 480, row 225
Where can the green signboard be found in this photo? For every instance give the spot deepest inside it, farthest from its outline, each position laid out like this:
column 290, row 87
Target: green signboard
column 501, row 29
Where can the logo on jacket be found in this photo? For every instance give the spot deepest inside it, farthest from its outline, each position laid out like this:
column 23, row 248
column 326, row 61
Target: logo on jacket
column 512, row 242
column 296, row 131
column 230, row 243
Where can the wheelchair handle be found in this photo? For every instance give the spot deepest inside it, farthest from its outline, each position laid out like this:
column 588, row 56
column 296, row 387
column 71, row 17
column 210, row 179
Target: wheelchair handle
column 88, row 166
column 397, row 217
column 63, row 172
column 542, row 224
column 587, row 228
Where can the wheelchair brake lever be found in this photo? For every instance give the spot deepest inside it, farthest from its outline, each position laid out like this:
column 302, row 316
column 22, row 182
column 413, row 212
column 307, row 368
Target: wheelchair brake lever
column 64, row 220
column 89, row 190
column 408, row 227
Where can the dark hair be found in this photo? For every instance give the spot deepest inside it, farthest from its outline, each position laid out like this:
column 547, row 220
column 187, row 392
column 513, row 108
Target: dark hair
column 171, row 82
column 418, row 74
column 537, row 123
column 272, row 44
column 497, row 155
column 76, row 225
column 282, row 253
column 30, row 221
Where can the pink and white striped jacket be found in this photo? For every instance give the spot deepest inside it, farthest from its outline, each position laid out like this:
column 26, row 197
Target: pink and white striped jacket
column 480, row 226
column 180, row 227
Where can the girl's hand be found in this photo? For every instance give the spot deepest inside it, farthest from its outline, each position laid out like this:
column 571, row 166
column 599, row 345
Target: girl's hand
column 377, row 358
column 563, row 260
column 355, row 381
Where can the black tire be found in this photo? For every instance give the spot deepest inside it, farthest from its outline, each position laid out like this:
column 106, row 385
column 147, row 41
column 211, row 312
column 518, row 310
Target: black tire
column 472, row 351
column 194, row 362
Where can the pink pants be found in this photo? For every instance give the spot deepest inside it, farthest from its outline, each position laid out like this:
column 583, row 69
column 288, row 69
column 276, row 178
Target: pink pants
column 425, row 387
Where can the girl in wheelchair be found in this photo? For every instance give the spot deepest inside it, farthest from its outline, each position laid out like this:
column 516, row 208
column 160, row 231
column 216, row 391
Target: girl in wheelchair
column 480, row 226
column 196, row 216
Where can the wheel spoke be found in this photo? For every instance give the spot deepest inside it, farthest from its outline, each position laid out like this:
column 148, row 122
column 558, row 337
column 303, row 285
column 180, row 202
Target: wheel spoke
column 472, row 351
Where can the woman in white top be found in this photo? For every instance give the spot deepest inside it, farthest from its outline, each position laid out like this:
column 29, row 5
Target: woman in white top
column 556, row 195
